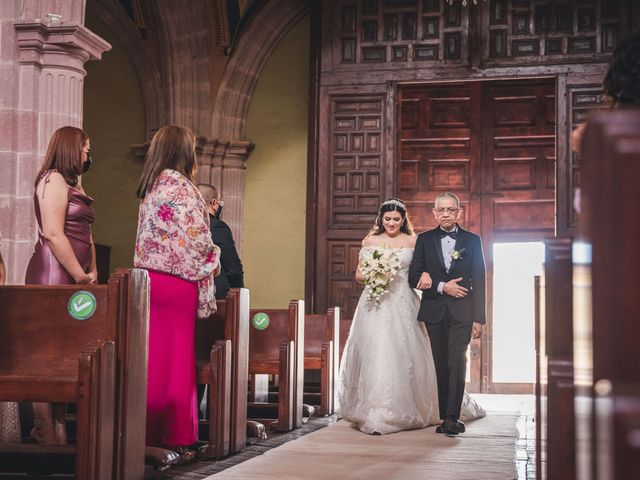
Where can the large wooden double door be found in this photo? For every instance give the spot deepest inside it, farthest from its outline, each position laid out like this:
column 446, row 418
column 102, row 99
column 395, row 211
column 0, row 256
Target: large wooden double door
column 493, row 144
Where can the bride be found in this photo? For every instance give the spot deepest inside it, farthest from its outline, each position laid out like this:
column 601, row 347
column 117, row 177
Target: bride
column 387, row 374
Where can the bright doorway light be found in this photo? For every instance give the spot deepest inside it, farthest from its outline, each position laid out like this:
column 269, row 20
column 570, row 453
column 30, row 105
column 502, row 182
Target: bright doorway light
column 514, row 266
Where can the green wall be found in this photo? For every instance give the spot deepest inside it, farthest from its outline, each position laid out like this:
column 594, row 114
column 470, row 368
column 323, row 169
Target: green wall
column 114, row 119
column 273, row 247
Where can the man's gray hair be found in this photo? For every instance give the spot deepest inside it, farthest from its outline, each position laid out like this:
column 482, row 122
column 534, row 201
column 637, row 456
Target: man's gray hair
column 449, row 195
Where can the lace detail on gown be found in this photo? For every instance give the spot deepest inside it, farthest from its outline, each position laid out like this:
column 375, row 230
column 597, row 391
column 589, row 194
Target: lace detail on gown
column 387, row 375
column 9, row 423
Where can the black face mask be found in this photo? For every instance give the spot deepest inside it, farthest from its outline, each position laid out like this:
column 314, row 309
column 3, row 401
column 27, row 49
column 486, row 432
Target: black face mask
column 86, row 165
column 217, row 215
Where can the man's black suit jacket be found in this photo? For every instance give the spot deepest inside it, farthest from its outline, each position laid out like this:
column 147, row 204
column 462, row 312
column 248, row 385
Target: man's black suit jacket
column 231, row 274
column 429, row 257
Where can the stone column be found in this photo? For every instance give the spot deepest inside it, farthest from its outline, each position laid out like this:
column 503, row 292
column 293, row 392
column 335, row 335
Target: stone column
column 43, row 49
column 222, row 164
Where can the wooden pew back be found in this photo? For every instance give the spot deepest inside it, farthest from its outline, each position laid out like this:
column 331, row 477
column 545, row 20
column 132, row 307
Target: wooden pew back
column 50, row 356
column 230, row 322
column 121, row 317
column 284, row 326
column 559, row 420
column 321, row 344
column 37, row 328
column 611, row 224
column 129, row 293
column 285, row 330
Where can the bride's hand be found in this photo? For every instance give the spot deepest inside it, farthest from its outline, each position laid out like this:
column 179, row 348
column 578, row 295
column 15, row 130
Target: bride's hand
column 425, row 281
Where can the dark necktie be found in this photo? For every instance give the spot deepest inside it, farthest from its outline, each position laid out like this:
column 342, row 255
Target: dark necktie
column 453, row 234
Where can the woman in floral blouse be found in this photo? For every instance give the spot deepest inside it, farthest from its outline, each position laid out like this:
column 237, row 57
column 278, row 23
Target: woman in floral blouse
column 174, row 244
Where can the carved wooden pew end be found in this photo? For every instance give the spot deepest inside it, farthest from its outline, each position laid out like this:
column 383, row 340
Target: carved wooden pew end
column 276, row 347
column 222, row 355
column 321, row 342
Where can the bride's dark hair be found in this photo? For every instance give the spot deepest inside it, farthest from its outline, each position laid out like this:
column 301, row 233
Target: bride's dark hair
column 392, row 205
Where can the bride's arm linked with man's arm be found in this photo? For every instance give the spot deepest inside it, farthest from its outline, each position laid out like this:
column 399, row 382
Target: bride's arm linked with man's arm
column 419, row 277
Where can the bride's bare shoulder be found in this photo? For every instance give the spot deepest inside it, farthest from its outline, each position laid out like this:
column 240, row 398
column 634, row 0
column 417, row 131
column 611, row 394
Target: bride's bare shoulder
column 368, row 241
column 409, row 241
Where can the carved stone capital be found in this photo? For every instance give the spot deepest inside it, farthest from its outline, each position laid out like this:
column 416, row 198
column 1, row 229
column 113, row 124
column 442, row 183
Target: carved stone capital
column 67, row 46
column 232, row 154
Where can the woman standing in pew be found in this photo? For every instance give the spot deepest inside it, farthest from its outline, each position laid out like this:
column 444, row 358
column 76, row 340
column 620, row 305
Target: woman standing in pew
column 387, row 375
column 64, row 253
column 174, row 244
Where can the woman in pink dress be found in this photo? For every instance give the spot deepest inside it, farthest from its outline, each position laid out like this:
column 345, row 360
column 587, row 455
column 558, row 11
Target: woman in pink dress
column 64, row 253
column 174, row 244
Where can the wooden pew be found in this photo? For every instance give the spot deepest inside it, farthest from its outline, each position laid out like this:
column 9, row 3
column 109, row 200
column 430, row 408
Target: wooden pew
column 611, row 224
column 279, row 350
column 321, row 343
column 540, row 389
column 222, row 356
column 556, row 414
column 89, row 383
column 121, row 318
column 49, row 356
column 129, row 296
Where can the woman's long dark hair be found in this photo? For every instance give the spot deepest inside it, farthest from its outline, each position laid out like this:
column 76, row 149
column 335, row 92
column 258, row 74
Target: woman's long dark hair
column 622, row 82
column 392, row 205
column 172, row 147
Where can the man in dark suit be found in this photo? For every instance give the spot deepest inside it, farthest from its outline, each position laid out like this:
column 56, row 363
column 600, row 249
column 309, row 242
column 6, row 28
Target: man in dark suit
column 448, row 266
column 231, row 273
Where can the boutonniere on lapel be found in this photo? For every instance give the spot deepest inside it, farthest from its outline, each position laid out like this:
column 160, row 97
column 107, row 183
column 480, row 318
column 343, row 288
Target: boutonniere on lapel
column 456, row 254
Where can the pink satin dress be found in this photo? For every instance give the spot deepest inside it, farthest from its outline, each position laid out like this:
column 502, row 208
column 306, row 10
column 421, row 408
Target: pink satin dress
column 44, row 268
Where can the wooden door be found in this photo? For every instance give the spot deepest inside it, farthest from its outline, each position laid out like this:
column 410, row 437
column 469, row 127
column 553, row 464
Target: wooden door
column 493, row 144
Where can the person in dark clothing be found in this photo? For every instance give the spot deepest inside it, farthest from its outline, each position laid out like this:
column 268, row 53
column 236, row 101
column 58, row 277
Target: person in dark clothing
column 231, row 274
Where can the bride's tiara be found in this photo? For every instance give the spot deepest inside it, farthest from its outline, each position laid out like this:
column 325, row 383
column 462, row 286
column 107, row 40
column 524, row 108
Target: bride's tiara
column 393, row 201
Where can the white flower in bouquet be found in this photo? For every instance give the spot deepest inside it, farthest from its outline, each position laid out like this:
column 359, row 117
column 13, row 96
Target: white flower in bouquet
column 378, row 266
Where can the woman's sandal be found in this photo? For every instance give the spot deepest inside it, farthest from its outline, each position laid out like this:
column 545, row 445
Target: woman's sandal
column 186, row 456
column 43, row 433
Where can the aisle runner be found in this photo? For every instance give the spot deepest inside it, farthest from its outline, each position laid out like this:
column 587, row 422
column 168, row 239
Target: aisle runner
column 485, row 451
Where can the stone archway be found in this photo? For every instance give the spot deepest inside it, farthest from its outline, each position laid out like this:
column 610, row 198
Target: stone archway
column 248, row 57
column 113, row 15
column 177, row 82
column 224, row 161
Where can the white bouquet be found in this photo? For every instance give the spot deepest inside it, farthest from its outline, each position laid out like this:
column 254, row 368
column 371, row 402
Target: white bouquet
column 379, row 266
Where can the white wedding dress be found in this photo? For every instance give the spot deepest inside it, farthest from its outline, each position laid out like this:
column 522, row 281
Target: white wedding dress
column 387, row 375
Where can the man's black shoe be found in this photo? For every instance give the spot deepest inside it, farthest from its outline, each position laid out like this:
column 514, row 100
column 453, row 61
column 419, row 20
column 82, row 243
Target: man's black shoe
column 452, row 426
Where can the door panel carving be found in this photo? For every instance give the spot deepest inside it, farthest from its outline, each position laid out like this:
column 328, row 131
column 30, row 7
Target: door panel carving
column 351, row 185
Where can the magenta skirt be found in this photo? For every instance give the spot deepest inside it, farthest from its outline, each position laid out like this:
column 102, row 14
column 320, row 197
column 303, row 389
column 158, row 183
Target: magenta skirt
column 172, row 417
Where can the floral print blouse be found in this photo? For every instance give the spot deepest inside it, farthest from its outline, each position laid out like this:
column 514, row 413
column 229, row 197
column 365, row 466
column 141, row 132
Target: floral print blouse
column 174, row 237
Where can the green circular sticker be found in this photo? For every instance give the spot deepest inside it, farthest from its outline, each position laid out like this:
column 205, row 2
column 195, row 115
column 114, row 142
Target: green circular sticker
column 82, row 305
column 260, row 321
